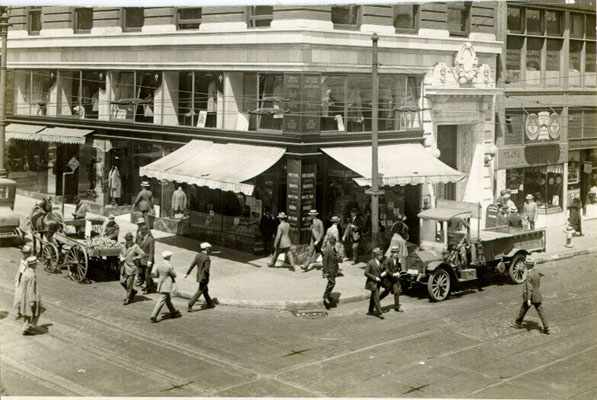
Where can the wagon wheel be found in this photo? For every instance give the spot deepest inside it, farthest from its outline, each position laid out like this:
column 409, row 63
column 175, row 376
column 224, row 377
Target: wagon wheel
column 20, row 235
column 517, row 271
column 49, row 257
column 76, row 262
column 438, row 285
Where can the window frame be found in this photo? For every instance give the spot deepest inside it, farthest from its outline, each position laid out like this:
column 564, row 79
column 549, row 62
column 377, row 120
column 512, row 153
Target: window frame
column 456, row 5
column 180, row 21
column 416, row 16
column 76, row 20
column 349, row 27
column 123, row 16
column 252, row 17
column 31, row 10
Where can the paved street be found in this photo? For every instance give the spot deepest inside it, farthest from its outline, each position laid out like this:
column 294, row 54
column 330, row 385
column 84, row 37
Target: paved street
column 89, row 344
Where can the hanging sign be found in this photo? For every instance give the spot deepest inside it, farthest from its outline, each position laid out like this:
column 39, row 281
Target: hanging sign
column 543, row 125
column 554, row 126
column 532, row 126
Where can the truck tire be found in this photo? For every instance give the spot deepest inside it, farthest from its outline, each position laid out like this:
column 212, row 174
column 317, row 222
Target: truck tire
column 517, row 271
column 439, row 284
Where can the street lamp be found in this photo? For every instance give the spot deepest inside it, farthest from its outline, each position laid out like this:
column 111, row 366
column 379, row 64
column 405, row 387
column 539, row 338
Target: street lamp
column 3, row 34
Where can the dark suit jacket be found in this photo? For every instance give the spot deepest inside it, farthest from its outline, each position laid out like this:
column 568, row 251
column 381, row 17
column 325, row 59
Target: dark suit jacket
column 147, row 244
column 353, row 230
column 202, row 262
column 330, row 261
column 531, row 287
column 372, row 271
column 391, row 266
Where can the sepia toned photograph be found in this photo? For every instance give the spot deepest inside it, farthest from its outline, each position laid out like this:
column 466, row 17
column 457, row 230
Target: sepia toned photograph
column 298, row 199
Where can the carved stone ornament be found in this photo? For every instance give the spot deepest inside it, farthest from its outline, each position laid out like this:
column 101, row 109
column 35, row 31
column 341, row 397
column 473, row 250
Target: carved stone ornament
column 466, row 64
column 466, row 72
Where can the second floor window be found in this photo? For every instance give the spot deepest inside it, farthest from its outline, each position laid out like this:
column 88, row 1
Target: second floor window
column 133, row 18
column 83, row 19
column 405, row 17
column 188, row 18
column 345, row 16
column 260, row 16
column 34, row 20
column 459, row 18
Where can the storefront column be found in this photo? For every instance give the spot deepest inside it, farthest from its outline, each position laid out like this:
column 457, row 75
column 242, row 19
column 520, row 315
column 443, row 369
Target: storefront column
column 301, row 175
column 53, row 96
column 64, row 85
column 166, row 106
column 104, row 98
column 233, row 95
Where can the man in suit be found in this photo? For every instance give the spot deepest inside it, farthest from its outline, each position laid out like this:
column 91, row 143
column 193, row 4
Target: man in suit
column 531, row 295
column 202, row 262
column 267, row 226
column 373, row 273
column 352, row 234
column 129, row 255
column 390, row 275
column 166, row 278
column 317, row 231
column 331, row 258
column 147, row 243
column 144, row 201
column 282, row 242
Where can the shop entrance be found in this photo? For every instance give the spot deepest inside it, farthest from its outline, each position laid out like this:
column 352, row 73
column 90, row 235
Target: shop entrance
column 447, row 143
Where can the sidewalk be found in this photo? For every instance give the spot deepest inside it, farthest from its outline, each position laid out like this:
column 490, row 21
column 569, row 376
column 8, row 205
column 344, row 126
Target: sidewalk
column 241, row 279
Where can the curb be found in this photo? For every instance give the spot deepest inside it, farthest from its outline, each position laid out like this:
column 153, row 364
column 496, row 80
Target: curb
column 318, row 304
column 277, row 305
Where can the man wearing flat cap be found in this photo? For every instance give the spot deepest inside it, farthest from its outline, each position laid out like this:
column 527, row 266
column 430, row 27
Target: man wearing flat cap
column 390, row 277
column 203, row 263
column 373, row 271
column 531, row 296
column 166, row 278
column 317, row 232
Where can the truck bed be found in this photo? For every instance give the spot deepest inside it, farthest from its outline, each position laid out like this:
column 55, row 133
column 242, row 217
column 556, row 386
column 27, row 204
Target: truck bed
column 500, row 241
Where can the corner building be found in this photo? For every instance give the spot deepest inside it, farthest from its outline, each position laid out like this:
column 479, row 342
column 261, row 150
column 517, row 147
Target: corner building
column 248, row 107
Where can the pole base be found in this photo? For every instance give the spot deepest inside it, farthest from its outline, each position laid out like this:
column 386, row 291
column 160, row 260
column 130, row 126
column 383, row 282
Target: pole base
column 3, row 173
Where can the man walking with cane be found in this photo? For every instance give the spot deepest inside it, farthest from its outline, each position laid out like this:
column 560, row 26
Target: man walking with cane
column 166, row 275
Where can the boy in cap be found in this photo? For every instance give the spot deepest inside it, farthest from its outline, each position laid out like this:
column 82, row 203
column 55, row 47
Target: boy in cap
column 166, row 278
column 202, row 262
column 26, row 250
column 531, row 295
column 373, row 273
column 30, row 304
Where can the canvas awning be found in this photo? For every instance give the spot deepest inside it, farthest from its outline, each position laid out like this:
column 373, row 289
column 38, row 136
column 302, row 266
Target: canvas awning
column 399, row 164
column 63, row 135
column 217, row 166
column 22, row 131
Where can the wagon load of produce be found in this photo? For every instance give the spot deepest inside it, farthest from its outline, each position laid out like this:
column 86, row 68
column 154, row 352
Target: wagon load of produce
column 101, row 242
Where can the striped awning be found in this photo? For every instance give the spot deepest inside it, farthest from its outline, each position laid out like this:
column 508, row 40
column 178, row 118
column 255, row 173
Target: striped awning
column 63, row 135
column 217, row 166
column 398, row 164
column 22, row 131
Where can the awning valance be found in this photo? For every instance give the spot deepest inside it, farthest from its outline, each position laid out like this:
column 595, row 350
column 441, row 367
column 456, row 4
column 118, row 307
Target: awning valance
column 217, row 166
column 399, row 164
column 22, row 131
column 63, row 135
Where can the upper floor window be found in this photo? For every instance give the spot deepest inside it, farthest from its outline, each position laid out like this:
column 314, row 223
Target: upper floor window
column 459, row 13
column 83, row 19
column 188, row 18
column 346, row 17
column 260, row 16
column 34, row 20
column 133, row 18
column 405, row 17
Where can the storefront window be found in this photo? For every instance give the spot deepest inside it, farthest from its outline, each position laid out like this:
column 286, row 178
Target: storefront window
column 91, row 84
column 68, row 98
column 577, row 25
column 554, row 22
column 544, row 183
column 32, row 165
column 514, row 19
column 358, row 104
column 574, row 63
column 552, row 63
column 134, row 95
column 575, row 120
column 32, row 90
column 198, row 98
column 534, row 23
column 271, row 102
column 590, row 64
column 533, row 68
column 332, row 102
column 513, row 52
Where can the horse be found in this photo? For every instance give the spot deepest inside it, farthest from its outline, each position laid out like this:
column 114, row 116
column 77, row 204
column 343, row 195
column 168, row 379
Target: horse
column 44, row 220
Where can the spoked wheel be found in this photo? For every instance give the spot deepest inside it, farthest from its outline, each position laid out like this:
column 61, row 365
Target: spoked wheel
column 49, row 257
column 438, row 285
column 517, row 271
column 77, row 262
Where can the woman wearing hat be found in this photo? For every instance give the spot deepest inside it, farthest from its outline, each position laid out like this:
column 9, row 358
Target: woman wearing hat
column 399, row 238
column 282, row 242
column 144, row 201
column 26, row 250
column 530, row 211
column 30, row 300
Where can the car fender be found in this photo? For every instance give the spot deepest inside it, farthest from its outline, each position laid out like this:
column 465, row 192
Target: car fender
column 433, row 265
column 514, row 252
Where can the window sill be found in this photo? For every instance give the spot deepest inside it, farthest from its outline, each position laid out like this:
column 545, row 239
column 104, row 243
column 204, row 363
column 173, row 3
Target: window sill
column 132, row 29
column 82, row 31
column 412, row 31
column 347, row 27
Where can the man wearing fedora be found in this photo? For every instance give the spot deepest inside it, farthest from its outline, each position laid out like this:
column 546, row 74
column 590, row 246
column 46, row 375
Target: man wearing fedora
column 144, row 201
column 373, row 271
column 530, row 211
column 390, row 277
column 166, row 278
column 331, row 258
column 316, row 242
column 129, row 255
column 531, row 295
column 282, row 243
column 147, row 243
column 352, row 234
column 203, row 263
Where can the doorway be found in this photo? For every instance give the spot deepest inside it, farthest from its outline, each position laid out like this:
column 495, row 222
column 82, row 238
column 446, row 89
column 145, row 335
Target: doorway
column 447, row 143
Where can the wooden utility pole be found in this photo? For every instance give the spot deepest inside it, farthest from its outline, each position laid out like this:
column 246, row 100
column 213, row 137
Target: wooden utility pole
column 3, row 36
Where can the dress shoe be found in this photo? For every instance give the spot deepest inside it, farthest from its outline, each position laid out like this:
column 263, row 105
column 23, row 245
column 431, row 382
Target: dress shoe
column 176, row 314
column 516, row 325
column 380, row 316
column 153, row 319
column 398, row 309
column 27, row 332
column 211, row 305
column 133, row 293
column 386, row 310
column 326, row 304
column 546, row 331
column 125, row 302
column 189, row 308
column 370, row 313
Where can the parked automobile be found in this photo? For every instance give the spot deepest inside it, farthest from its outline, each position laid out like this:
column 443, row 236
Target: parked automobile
column 9, row 220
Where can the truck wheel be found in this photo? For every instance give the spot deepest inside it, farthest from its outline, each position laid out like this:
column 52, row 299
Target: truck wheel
column 438, row 284
column 517, row 270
